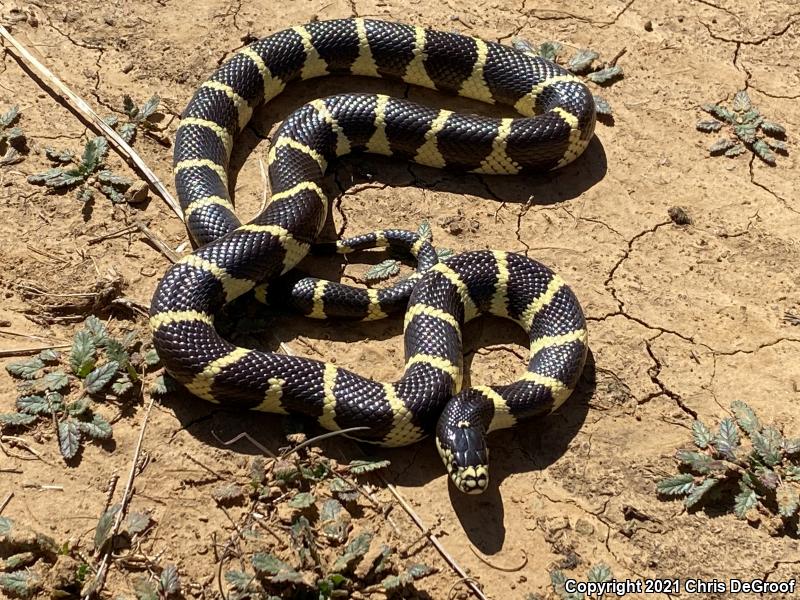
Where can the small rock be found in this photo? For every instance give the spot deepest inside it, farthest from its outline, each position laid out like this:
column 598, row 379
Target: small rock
column 583, row 527
column 127, row 67
column 648, row 25
column 679, row 216
column 109, row 20
column 62, row 577
column 137, row 192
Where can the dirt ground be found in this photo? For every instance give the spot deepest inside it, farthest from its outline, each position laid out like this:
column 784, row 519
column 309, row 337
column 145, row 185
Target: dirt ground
column 683, row 319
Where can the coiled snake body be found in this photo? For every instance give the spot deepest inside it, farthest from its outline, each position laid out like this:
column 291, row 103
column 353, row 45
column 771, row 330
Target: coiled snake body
column 233, row 258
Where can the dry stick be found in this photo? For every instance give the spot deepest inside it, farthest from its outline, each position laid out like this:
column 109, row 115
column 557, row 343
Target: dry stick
column 158, row 242
column 102, row 571
column 30, row 336
column 80, row 107
column 435, row 541
column 31, row 350
column 5, row 501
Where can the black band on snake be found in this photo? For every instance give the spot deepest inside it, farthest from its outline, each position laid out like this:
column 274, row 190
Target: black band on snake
column 233, row 258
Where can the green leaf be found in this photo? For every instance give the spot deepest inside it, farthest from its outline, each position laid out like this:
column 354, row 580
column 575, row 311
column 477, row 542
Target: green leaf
column 5, row 525
column 104, row 525
column 11, row 157
column 159, row 386
column 676, row 486
column 600, row 573
column 127, row 131
column 33, row 405
column 239, row 580
column 110, row 178
column 383, row 270
column 356, row 549
column 745, row 132
column 745, row 417
column 93, row 154
column 701, row 434
column 601, row 105
column 788, row 499
column 9, row 117
column 791, row 446
column 79, row 407
column 82, row 355
column 549, row 50
column 57, row 178
column 721, row 145
column 736, row 150
column 764, row 152
column 97, row 329
column 699, row 491
column 708, row 126
column 116, row 351
column 22, row 584
column 144, row 589
column 776, row 145
column 395, row 582
column 720, row 112
column 268, row 564
column 169, row 583
column 98, row 429
column 129, row 106
column 773, row 128
column 343, row 490
column 151, row 358
column 69, row 438
column 582, row 61
column 605, row 75
column 100, row 377
column 444, row 253
column 358, row 467
column 122, row 385
column 302, row 500
column 424, row 231
column 85, row 194
column 741, row 101
column 793, row 473
column 744, row 501
column 768, row 444
column 137, row 522
column 59, row 156
column 697, row 461
column 149, row 107
column 16, row 419
column 49, row 355
column 727, row 440
column 767, row 477
column 26, row 369
column 54, row 381
column 111, row 120
column 335, row 521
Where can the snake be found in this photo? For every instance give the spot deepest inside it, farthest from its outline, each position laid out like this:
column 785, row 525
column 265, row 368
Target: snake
column 556, row 124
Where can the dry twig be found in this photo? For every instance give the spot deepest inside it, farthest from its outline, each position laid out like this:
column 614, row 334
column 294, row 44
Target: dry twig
column 81, row 108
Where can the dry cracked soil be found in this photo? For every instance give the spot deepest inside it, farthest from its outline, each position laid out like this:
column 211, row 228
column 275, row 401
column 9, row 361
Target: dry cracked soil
column 683, row 319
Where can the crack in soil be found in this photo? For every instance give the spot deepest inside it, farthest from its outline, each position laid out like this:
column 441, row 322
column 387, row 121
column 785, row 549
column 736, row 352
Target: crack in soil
column 653, row 373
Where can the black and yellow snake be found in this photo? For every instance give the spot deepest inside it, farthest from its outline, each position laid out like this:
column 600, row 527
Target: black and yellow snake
column 232, row 258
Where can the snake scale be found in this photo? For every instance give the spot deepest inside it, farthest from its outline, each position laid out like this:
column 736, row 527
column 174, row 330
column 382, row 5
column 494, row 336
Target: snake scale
column 234, row 258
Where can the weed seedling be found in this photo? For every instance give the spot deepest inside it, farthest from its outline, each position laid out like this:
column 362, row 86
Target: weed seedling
column 754, row 463
column 12, row 138
column 746, row 129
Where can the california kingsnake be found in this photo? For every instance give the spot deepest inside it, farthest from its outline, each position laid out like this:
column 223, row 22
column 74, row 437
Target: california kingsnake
column 233, row 258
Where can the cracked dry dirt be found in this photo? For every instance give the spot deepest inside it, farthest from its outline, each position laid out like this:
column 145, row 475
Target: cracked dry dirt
column 683, row 319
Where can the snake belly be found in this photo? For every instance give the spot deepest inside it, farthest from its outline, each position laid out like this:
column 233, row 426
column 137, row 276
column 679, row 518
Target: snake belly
column 234, row 258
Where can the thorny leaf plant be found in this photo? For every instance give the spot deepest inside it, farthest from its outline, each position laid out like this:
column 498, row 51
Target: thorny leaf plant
column 582, row 63
column 316, row 498
column 745, row 128
column 12, row 138
column 143, row 117
column 66, row 391
column 755, row 463
column 597, row 574
column 85, row 174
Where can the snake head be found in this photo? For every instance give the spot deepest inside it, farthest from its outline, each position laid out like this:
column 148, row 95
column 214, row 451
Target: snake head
column 461, row 441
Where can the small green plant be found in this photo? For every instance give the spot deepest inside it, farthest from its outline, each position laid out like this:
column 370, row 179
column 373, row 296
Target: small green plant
column 582, row 63
column 746, row 130
column 12, row 138
column 391, row 266
column 755, row 462
column 66, row 391
column 597, row 574
column 322, row 557
column 144, row 117
column 85, row 174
